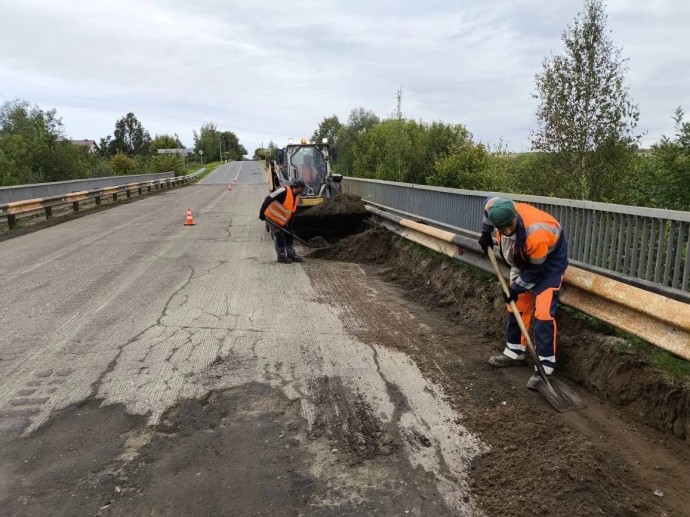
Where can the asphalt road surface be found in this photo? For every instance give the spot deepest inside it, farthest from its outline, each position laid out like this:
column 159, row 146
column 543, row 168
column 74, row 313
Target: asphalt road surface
column 147, row 367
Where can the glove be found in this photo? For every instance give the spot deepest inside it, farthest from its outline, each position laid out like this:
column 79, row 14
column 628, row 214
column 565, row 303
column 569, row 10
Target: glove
column 486, row 241
column 262, row 217
column 512, row 297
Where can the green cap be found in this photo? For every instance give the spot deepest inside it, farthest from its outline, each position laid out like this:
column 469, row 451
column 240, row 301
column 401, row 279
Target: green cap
column 502, row 212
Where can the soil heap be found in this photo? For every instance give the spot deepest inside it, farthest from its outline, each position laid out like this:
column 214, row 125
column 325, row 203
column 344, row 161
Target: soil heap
column 339, row 205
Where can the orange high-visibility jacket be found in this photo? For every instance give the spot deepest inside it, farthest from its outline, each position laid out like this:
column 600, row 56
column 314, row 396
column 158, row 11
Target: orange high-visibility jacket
column 280, row 213
column 541, row 233
column 540, row 245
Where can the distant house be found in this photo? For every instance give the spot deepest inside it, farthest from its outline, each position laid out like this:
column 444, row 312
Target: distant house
column 89, row 144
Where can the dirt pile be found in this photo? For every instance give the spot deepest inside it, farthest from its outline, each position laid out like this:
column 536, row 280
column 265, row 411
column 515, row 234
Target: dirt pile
column 372, row 246
column 318, row 242
column 339, row 205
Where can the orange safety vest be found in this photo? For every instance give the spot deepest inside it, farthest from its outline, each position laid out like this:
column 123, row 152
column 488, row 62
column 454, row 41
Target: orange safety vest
column 541, row 233
column 280, row 213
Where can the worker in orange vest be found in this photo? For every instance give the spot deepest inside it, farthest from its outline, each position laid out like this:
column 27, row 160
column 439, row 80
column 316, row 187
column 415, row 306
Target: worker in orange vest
column 533, row 244
column 277, row 210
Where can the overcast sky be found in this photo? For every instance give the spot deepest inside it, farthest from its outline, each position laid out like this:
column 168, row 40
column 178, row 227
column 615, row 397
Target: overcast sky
column 274, row 69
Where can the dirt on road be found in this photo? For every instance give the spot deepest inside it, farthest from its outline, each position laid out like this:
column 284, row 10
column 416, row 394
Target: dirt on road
column 239, row 451
column 625, row 454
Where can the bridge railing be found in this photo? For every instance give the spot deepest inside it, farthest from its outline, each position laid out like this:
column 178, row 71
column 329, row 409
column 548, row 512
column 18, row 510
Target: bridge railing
column 647, row 245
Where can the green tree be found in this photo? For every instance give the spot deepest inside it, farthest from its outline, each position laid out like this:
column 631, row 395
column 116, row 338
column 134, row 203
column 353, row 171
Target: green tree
column 104, row 147
column 272, row 150
column 208, row 141
column 466, row 168
column 212, row 142
column 359, row 122
column 329, row 128
column 662, row 179
column 129, row 137
column 165, row 142
column 393, row 150
column 232, row 149
column 260, row 153
column 585, row 116
column 34, row 147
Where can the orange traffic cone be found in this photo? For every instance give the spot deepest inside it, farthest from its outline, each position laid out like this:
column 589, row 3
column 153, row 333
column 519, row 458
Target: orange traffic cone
column 190, row 219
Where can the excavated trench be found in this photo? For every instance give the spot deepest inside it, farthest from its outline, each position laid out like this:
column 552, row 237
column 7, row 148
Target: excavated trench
column 626, row 453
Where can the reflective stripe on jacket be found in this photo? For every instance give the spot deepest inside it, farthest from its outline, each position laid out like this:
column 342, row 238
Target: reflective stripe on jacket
column 280, row 213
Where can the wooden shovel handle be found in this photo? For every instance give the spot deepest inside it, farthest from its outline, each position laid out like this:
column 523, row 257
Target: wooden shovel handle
column 518, row 316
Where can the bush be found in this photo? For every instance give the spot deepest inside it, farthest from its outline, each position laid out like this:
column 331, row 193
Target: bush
column 467, row 168
column 123, row 164
column 102, row 169
column 167, row 163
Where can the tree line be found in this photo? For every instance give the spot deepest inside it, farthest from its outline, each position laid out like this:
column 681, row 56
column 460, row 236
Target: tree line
column 34, row 148
column 585, row 145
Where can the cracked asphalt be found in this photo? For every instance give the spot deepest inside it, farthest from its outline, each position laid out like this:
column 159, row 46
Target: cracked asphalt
column 118, row 326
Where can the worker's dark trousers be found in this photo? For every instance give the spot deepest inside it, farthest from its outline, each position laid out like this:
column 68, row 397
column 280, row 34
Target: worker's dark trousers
column 537, row 307
column 282, row 241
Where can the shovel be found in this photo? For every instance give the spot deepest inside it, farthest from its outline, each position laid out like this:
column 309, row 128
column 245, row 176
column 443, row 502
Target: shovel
column 559, row 394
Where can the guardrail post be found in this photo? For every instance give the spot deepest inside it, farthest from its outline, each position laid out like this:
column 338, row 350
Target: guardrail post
column 11, row 221
column 98, row 200
column 115, row 196
column 49, row 212
column 75, row 206
column 148, row 188
column 129, row 194
column 140, row 191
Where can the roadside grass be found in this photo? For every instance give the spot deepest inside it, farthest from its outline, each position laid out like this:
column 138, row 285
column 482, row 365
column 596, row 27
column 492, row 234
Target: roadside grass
column 210, row 167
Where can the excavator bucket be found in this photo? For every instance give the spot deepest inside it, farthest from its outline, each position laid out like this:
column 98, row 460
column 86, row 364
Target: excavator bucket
column 335, row 217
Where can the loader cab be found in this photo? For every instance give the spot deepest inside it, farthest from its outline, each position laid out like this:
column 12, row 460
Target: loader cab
column 310, row 162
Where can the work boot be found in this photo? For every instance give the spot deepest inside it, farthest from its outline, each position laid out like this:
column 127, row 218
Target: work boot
column 534, row 382
column 284, row 256
column 501, row 361
column 293, row 255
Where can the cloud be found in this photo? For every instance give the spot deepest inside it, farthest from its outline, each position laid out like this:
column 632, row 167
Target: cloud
column 273, row 70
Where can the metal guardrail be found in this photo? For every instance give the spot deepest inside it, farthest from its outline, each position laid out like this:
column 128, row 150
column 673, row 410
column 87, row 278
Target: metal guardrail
column 42, row 190
column 31, row 206
column 657, row 319
column 650, row 245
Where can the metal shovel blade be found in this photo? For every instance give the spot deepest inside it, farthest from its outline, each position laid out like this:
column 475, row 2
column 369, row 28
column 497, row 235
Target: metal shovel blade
column 561, row 396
